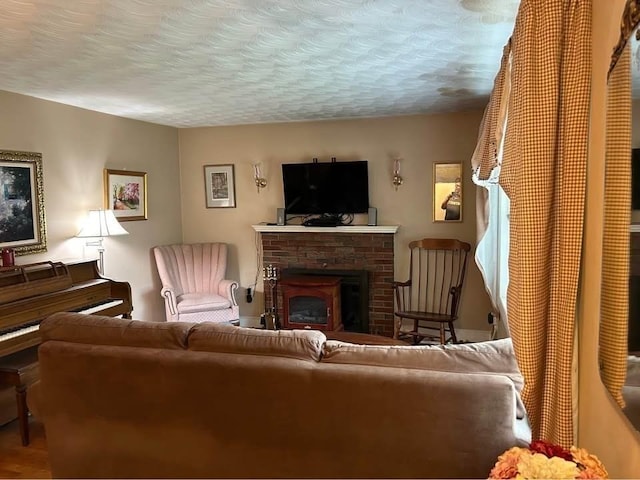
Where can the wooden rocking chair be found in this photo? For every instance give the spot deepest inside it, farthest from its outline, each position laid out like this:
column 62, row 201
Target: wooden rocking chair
column 431, row 296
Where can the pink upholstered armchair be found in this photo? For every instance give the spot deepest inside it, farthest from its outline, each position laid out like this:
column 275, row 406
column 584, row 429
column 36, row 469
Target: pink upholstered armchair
column 193, row 284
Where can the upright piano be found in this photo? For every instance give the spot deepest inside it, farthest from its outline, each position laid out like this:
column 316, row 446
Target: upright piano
column 29, row 293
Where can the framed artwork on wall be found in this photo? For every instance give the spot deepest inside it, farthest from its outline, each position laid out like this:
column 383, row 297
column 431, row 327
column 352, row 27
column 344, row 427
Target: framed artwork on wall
column 22, row 221
column 447, row 192
column 125, row 193
column 219, row 185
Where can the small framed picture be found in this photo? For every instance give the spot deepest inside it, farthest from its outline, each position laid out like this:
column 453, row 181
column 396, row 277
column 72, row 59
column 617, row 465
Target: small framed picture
column 447, row 192
column 219, row 186
column 125, row 193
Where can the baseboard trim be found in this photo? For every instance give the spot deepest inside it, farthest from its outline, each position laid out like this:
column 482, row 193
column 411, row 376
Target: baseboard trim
column 469, row 335
column 252, row 322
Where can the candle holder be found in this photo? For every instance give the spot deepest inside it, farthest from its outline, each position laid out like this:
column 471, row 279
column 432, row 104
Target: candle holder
column 8, row 257
column 397, row 178
column 259, row 180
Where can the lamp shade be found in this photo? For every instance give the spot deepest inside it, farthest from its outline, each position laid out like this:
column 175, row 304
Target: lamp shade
column 101, row 223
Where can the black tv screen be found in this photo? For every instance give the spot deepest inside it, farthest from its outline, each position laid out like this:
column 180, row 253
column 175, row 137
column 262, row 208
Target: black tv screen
column 332, row 188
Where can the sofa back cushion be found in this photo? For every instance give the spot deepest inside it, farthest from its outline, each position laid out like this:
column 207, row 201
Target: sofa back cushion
column 494, row 357
column 120, row 412
column 99, row 330
column 225, row 338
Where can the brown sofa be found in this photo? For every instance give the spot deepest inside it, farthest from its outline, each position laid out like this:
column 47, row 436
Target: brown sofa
column 127, row 398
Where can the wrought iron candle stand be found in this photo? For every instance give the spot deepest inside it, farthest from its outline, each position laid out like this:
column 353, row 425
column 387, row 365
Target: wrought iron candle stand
column 270, row 316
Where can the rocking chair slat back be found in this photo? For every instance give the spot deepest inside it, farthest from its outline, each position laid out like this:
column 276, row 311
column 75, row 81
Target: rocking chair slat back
column 437, row 270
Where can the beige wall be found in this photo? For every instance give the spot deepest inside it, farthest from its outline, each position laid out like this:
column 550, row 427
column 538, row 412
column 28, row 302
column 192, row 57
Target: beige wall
column 76, row 146
column 602, row 428
column 420, row 140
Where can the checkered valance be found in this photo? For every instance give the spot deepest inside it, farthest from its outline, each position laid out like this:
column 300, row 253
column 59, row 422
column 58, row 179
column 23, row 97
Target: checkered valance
column 486, row 160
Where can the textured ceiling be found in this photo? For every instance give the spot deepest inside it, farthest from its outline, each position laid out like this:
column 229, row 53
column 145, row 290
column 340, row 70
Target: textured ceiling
column 190, row 63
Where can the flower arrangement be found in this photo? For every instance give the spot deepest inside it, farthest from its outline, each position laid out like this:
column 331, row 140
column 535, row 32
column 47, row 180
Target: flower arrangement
column 546, row 460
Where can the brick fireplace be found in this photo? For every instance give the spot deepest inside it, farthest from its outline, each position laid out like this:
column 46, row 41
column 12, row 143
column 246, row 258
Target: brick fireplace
column 349, row 248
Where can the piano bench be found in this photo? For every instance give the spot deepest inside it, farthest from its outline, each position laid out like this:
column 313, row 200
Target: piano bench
column 20, row 370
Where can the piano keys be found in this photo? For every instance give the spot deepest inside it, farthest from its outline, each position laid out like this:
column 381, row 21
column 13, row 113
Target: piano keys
column 18, row 331
column 100, row 308
column 30, row 293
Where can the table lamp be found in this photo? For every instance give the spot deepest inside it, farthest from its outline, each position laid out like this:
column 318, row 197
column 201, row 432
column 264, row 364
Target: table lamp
column 100, row 224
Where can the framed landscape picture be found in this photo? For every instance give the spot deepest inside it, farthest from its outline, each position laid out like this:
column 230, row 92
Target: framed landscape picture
column 219, row 185
column 125, row 193
column 22, row 221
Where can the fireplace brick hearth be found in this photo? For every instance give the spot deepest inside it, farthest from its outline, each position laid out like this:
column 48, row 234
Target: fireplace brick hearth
column 338, row 249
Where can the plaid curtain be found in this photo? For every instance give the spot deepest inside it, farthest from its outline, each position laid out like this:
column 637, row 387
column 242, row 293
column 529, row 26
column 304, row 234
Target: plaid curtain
column 544, row 173
column 487, row 155
column 491, row 209
column 615, row 247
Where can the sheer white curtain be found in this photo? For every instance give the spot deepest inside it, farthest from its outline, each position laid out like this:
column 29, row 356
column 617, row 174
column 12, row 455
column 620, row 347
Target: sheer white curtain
column 492, row 254
column 493, row 205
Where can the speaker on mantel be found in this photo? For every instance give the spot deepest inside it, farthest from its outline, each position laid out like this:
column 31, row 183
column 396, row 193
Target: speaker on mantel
column 373, row 216
column 281, row 218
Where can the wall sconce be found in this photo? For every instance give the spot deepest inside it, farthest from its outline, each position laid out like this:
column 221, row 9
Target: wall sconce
column 260, row 181
column 100, row 224
column 397, row 179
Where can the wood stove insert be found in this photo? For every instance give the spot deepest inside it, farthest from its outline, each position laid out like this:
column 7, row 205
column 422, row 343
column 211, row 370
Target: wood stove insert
column 354, row 294
column 311, row 302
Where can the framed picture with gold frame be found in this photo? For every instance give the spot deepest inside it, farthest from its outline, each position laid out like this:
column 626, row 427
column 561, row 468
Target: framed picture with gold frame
column 125, row 192
column 447, row 192
column 22, row 220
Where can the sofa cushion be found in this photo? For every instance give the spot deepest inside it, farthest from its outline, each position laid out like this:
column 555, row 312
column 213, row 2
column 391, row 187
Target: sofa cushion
column 201, row 302
column 99, row 330
column 492, row 357
column 225, row 338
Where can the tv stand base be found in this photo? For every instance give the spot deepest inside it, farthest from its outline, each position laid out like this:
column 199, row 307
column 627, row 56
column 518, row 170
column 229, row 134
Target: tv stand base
column 323, row 221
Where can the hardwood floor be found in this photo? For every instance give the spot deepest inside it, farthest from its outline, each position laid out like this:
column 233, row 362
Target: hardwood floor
column 17, row 461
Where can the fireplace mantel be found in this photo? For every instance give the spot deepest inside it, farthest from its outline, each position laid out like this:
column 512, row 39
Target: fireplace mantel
column 349, row 248
column 263, row 227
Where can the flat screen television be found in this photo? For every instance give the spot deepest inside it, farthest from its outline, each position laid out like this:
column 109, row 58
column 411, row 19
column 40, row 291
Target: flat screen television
column 326, row 188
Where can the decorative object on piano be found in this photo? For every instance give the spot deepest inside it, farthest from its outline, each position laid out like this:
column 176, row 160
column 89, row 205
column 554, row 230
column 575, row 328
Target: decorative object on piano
column 259, row 180
column 100, row 224
column 8, row 257
column 219, row 186
column 397, row 178
column 125, row 193
column 270, row 317
column 22, row 223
